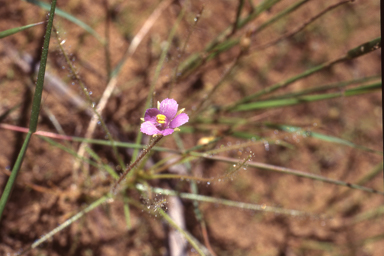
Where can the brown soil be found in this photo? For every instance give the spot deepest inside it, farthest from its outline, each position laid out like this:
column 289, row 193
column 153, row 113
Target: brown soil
column 47, row 191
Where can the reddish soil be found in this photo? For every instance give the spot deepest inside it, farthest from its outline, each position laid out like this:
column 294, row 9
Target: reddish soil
column 48, row 191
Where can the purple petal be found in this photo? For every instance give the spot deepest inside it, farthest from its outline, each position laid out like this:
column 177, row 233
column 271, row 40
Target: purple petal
column 168, row 107
column 179, row 120
column 149, row 128
column 167, row 132
column 150, row 114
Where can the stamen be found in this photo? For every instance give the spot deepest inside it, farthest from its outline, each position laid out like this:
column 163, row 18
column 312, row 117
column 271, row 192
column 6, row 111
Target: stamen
column 180, row 111
column 161, row 119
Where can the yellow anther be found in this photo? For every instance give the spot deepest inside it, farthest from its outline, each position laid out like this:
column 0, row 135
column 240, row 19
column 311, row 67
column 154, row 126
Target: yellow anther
column 160, row 118
column 180, row 111
column 205, row 140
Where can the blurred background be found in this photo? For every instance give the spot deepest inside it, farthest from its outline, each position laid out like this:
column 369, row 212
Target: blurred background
column 123, row 42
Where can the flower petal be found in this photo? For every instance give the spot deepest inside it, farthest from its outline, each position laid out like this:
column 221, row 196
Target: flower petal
column 167, row 132
column 179, row 120
column 168, row 107
column 150, row 114
column 149, row 128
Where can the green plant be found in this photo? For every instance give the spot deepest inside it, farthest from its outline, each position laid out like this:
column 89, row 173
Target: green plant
column 255, row 103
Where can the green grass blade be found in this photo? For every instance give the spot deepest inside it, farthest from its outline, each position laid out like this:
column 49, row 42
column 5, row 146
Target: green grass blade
column 12, row 31
column 275, row 103
column 192, row 184
column 280, row 169
column 220, row 43
column 193, row 241
column 69, row 17
column 127, row 213
column 280, row 15
column 35, row 111
column 371, row 174
column 368, row 215
column 327, row 138
column 285, row 83
column 325, row 88
column 351, row 54
column 238, row 13
column 84, row 159
column 9, row 111
column 66, row 223
column 106, row 167
column 15, row 170
column 371, row 239
column 265, row 5
column 208, row 199
column 41, row 75
column 365, row 48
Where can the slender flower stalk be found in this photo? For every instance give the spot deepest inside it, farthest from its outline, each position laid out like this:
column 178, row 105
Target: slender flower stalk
column 158, row 122
column 136, row 162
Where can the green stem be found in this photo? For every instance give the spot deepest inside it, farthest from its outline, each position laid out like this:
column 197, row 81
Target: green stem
column 280, row 169
column 239, row 8
column 35, row 111
column 137, row 161
column 286, row 82
column 190, row 239
column 308, row 98
column 208, row 199
column 66, row 223
column 351, row 54
column 8, row 188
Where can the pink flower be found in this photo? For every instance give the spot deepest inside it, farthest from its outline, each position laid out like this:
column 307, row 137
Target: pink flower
column 164, row 119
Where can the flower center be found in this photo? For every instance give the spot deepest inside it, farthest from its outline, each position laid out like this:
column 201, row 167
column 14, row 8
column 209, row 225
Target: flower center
column 161, row 119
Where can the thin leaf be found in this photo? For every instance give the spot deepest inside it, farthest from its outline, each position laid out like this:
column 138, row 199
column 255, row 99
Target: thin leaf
column 321, row 88
column 66, row 223
column 35, row 112
column 305, row 99
column 12, row 31
column 201, row 250
column 368, row 215
column 208, row 199
column 328, row 138
column 69, row 17
column 280, row 169
column 351, row 54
